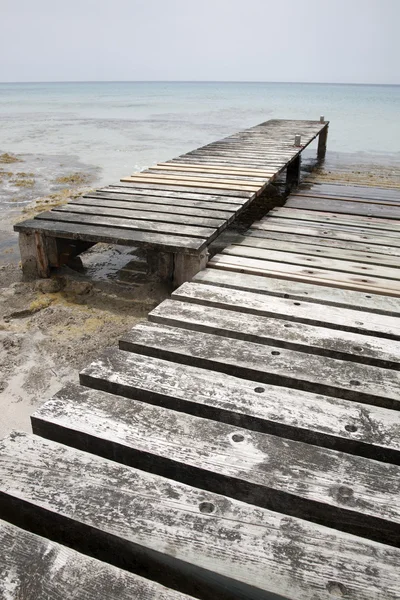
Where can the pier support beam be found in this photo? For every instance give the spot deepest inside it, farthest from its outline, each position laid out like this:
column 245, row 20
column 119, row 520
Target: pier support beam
column 175, row 268
column 293, row 173
column 322, row 140
column 160, row 265
column 37, row 252
column 187, row 265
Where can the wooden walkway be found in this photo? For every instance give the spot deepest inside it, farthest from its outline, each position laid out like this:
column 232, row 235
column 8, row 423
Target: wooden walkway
column 245, row 441
column 340, row 236
column 175, row 209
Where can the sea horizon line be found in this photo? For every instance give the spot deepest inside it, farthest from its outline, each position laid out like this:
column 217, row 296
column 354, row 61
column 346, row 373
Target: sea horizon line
column 200, row 81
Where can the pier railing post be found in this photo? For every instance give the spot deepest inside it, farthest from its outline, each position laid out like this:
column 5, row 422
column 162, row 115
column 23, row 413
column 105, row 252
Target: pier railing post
column 293, row 173
column 322, row 140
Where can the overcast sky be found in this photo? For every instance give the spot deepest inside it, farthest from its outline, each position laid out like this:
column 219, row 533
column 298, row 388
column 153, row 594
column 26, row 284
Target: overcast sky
column 349, row 41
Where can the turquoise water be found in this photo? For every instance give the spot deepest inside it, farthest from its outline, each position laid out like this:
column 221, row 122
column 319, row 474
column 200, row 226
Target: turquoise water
column 115, row 128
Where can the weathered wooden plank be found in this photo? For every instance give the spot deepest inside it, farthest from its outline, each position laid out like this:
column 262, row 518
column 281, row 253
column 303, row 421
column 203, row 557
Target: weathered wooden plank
column 305, row 292
column 123, row 223
column 352, row 228
column 203, row 175
column 327, row 217
column 157, row 207
column 255, row 145
column 356, row 191
column 113, row 235
column 351, row 427
column 260, row 159
column 329, row 233
column 213, row 161
column 253, row 467
column 308, row 372
column 142, row 521
column 336, row 195
column 34, row 567
column 388, row 287
column 129, row 191
column 349, row 206
column 251, row 182
column 331, row 243
column 166, row 180
column 240, row 151
column 131, row 213
column 294, row 258
column 176, row 166
column 243, row 162
column 184, row 191
column 317, row 250
column 275, row 331
column 310, row 313
column 240, row 162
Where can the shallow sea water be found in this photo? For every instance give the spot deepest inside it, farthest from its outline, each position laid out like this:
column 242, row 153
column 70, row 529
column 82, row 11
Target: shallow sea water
column 108, row 130
column 115, row 128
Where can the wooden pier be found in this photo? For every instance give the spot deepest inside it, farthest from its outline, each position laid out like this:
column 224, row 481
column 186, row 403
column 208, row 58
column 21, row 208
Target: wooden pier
column 174, row 209
column 244, row 442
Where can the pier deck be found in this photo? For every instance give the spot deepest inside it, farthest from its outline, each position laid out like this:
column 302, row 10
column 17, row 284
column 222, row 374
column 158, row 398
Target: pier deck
column 174, row 209
column 245, row 441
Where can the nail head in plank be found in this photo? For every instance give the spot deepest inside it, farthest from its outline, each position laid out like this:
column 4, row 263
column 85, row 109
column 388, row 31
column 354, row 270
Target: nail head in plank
column 316, row 419
column 326, row 217
column 320, row 262
column 311, row 313
column 328, row 233
column 266, row 268
column 300, row 239
column 253, row 467
column 266, row 364
column 297, row 290
column 316, row 249
column 277, row 332
column 158, row 522
column 350, row 227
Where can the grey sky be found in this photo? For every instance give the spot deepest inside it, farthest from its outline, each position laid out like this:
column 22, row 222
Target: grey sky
column 236, row 40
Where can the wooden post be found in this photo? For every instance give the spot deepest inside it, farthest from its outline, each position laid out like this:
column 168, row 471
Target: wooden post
column 175, row 268
column 187, row 265
column 297, row 140
column 35, row 250
column 322, row 139
column 293, row 173
column 160, row 265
